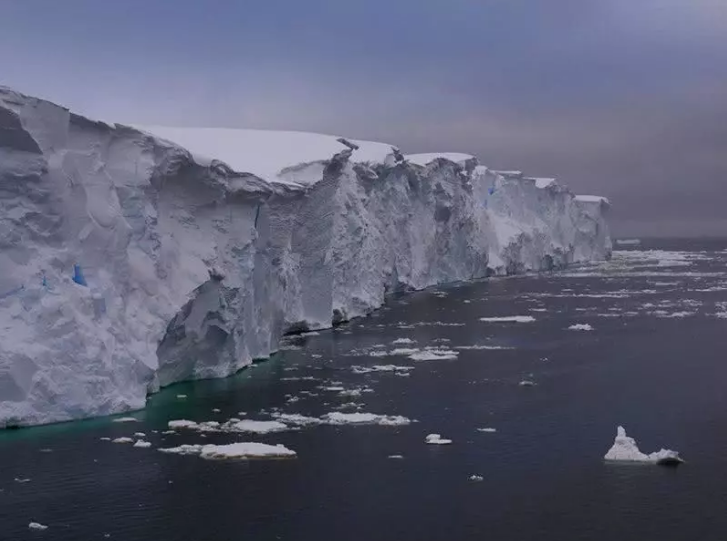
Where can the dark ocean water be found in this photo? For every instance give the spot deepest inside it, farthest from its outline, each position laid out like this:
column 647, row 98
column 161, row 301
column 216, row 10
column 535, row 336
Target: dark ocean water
column 654, row 362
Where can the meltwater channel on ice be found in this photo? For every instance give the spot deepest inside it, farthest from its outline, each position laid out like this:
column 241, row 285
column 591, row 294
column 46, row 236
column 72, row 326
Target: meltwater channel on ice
column 135, row 257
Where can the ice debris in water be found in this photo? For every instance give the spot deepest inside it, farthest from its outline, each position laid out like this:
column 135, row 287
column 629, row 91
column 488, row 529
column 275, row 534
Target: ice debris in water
column 527, row 383
column 380, row 368
column 338, row 418
column 139, row 435
column 37, row 526
column 243, row 450
column 435, row 355
column 508, row 319
column 486, row 430
column 624, row 449
column 122, row 440
column 126, row 420
column 396, row 457
column 436, row 439
column 232, row 425
column 476, row 478
column 142, row 444
column 580, row 327
column 403, row 341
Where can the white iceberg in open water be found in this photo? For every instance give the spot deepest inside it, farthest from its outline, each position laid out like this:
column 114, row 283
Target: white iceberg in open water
column 135, row 258
column 436, row 439
column 624, row 449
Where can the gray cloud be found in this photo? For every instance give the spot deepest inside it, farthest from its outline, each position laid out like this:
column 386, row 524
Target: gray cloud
column 616, row 97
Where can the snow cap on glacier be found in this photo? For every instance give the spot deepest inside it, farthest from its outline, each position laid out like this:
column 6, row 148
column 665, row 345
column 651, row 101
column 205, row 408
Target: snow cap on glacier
column 266, row 153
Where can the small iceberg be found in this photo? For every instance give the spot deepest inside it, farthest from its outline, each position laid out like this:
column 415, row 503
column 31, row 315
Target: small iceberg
column 624, row 449
column 142, row 444
column 37, row 526
column 580, row 327
column 437, row 439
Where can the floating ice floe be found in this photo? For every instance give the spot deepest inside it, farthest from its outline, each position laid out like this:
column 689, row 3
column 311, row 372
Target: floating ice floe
column 22, row 479
column 481, row 347
column 142, row 444
column 527, row 383
column 126, row 420
column 435, row 355
column 476, row 478
column 37, row 526
column 380, row 368
column 436, row 439
column 122, row 440
column 487, row 430
column 232, row 425
column 624, row 449
column 404, row 351
column 403, row 341
column 338, row 418
column 396, row 457
column 580, row 327
column 181, row 396
column 139, row 435
column 508, row 319
column 244, row 450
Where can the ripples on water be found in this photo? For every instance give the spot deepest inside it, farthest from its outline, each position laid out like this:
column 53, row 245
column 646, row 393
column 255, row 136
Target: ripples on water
column 427, row 363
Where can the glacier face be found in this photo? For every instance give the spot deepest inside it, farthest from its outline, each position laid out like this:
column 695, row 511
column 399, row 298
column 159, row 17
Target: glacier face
column 195, row 263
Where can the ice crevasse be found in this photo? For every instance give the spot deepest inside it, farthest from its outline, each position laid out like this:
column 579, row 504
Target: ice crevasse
column 132, row 258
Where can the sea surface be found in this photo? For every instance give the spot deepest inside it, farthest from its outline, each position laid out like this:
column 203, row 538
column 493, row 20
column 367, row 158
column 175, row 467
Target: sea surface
column 654, row 362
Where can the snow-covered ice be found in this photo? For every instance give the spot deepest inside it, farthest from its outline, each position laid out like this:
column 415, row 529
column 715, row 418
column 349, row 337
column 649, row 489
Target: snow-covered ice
column 436, row 439
column 242, row 450
column 476, row 478
column 122, row 439
column 37, row 526
column 258, row 427
column 508, row 319
column 133, row 259
column 624, row 449
column 580, row 327
column 338, row 418
column 142, row 444
column 434, row 355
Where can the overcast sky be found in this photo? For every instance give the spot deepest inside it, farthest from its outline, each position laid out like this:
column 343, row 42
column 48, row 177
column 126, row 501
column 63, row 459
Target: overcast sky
column 622, row 98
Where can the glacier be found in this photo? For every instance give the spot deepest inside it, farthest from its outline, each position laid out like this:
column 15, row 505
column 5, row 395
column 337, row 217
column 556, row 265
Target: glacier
column 134, row 257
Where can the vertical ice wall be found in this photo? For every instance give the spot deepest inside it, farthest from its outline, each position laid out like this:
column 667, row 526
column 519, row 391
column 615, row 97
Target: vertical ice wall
column 193, row 268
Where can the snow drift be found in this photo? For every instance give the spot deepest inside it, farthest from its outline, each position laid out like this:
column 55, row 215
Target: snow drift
column 129, row 261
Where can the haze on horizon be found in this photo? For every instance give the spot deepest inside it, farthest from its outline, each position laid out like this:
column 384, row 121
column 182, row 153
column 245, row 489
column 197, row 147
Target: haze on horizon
column 621, row 98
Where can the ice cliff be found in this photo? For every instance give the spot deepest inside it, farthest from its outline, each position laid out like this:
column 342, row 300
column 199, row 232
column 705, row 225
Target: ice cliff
column 129, row 261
